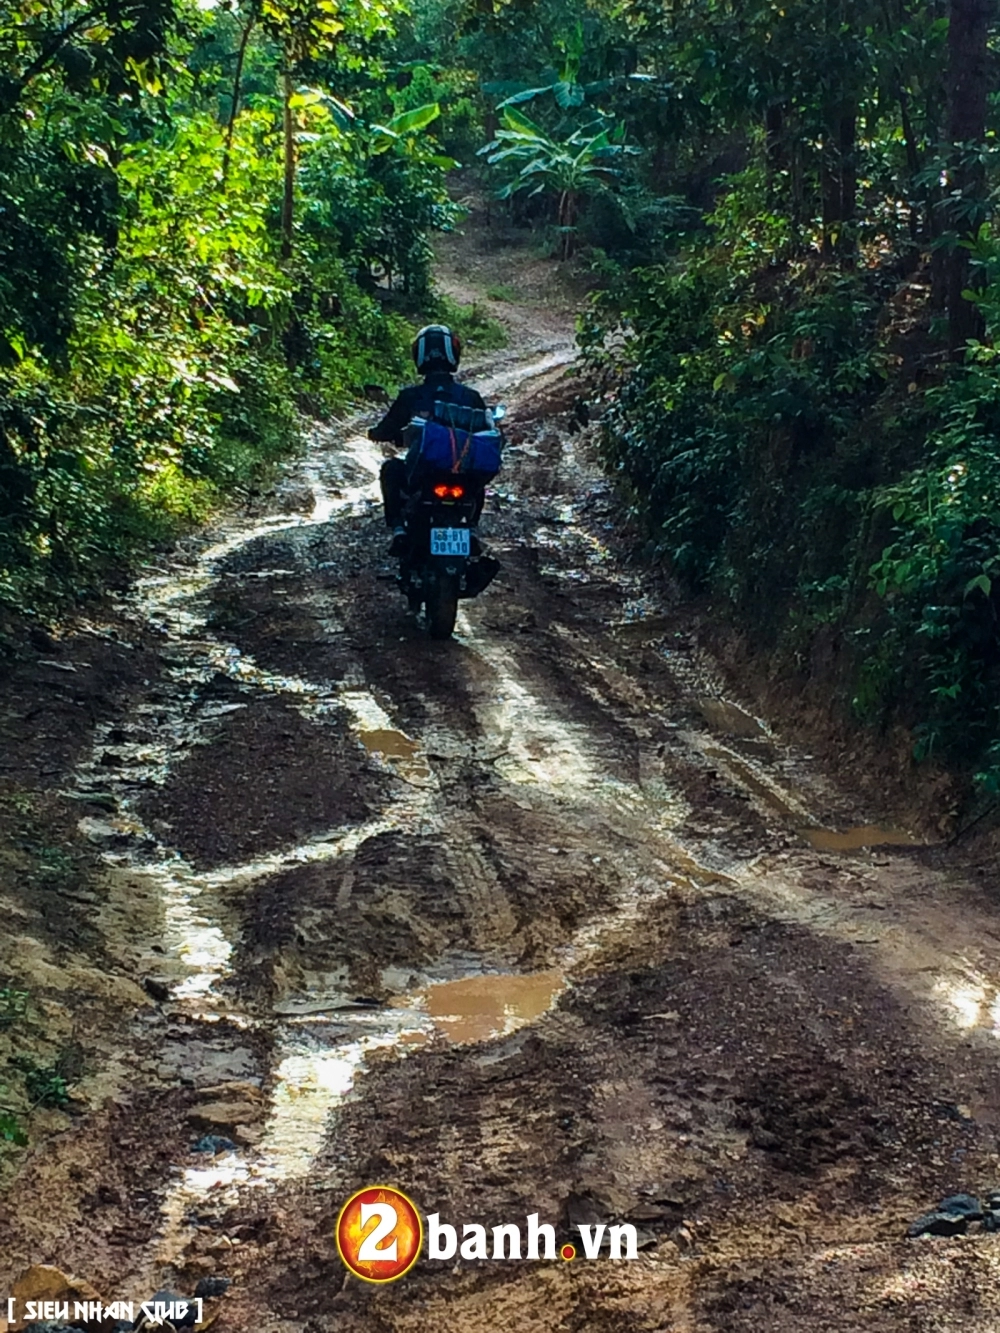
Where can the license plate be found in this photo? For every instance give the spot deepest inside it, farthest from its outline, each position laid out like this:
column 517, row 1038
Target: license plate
column 449, row 541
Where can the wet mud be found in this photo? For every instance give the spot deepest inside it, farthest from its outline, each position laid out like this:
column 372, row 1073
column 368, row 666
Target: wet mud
column 543, row 919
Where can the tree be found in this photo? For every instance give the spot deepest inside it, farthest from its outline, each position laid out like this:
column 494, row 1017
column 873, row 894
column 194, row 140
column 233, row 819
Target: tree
column 566, row 168
column 111, row 45
column 302, row 28
column 249, row 23
column 310, row 31
column 968, row 86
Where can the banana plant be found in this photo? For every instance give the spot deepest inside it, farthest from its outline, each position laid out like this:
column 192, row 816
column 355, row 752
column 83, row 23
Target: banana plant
column 567, row 168
column 563, row 84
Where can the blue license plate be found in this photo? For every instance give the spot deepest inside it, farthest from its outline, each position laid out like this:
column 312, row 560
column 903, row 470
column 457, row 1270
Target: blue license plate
column 449, row 541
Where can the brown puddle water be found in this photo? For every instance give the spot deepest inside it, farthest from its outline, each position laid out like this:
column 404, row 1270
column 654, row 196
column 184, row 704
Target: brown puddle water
column 479, row 1008
column 399, row 750
column 790, row 808
column 780, row 800
column 855, row 839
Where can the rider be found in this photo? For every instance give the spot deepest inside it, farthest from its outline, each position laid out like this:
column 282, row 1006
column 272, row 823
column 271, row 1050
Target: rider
column 436, row 354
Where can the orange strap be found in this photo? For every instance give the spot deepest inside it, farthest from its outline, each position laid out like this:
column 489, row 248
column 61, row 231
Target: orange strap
column 459, row 457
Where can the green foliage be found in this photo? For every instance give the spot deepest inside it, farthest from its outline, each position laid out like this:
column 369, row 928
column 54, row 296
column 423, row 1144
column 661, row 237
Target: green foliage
column 479, row 331
column 42, row 1086
column 45, row 1085
column 11, row 1131
column 156, row 341
column 456, row 92
column 939, row 573
column 375, row 191
column 13, row 1005
column 765, row 445
column 502, row 291
column 747, row 434
column 537, row 162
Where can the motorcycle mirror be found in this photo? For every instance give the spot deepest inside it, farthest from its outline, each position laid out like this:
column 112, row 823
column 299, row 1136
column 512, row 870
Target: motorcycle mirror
column 499, row 412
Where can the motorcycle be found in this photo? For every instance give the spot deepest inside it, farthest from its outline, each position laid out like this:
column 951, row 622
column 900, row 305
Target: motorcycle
column 443, row 562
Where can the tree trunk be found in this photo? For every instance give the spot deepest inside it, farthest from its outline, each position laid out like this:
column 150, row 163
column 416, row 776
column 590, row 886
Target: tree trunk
column 839, row 179
column 567, row 219
column 774, row 146
column 968, row 78
column 848, row 165
column 796, row 171
column 288, row 200
column 829, row 174
column 912, row 161
column 237, row 83
column 13, row 88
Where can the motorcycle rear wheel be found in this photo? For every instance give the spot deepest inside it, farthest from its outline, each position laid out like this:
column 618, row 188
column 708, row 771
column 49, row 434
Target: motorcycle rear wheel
column 442, row 605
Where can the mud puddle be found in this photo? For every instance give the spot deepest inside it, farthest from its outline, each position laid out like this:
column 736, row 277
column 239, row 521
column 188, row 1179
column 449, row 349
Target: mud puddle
column 729, row 717
column 506, row 378
column 760, row 783
column 481, row 1008
column 858, row 839
column 757, row 779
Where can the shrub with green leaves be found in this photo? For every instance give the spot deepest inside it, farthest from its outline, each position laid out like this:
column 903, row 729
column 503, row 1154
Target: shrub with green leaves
column 940, row 573
column 192, row 247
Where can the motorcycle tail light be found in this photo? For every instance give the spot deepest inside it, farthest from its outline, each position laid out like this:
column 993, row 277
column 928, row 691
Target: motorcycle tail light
column 442, row 491
column 456, row 492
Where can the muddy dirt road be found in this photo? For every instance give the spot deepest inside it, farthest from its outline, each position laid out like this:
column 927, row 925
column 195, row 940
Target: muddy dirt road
column 540, row 920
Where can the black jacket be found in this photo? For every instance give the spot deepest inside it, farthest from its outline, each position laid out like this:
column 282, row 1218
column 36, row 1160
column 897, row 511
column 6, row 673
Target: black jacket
column 419, row 399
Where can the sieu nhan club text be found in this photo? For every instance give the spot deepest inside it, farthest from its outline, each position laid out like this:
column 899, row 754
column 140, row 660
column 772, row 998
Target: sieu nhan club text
column 155, row 1313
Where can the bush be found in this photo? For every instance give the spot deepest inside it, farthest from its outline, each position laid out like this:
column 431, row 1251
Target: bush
column 759, row 433
column 479, row 331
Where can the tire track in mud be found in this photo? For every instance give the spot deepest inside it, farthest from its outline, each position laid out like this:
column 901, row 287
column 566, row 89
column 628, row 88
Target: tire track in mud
column 558, row 840
column 586, row 758
column 184, row 733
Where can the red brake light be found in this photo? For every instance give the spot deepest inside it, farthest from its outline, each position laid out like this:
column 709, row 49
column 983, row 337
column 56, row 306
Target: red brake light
column 457, row 492
column 441, row 491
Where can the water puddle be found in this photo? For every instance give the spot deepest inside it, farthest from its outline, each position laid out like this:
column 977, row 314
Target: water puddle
column 217, row 1181
column 399, row 751
column 195, row 941
column 759, row 784
column 311, row 1082
column 794, row 812
column 538, row 748
column 974, row 1001
column 584, row 558
column 644, row 628
column 857, row 839
column 479, row 1008
column 563, row 354
column 965, row 999
column 357, row 457
column 725, row 716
